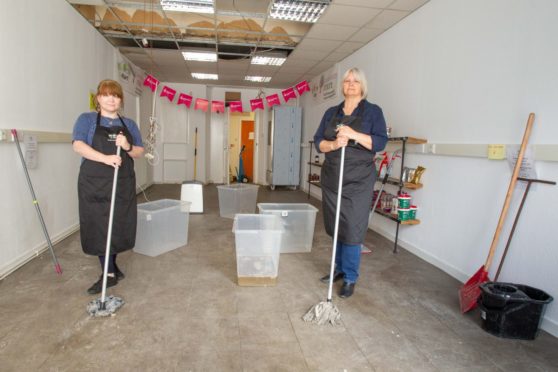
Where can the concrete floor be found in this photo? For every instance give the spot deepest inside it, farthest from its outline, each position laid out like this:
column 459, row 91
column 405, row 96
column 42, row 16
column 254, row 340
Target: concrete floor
column 185, row 312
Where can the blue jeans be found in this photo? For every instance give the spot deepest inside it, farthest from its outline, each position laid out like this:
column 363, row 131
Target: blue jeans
column 347, row 261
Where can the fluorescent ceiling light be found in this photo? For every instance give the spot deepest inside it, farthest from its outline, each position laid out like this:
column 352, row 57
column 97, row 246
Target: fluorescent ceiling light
column 202, row 76
column 193, row 6
column 259, row 79
column 200, row 56
column 270, row 61
column 298, row 10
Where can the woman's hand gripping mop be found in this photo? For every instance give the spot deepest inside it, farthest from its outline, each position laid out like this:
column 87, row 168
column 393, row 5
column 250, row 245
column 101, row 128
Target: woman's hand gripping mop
column 106, row 306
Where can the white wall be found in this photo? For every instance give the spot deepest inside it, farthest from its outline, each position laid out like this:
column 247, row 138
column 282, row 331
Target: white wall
column 470, row 72
column 48, row 68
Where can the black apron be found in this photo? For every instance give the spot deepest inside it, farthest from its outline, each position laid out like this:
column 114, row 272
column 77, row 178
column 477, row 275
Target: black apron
column 94, row 193
column 358, row 183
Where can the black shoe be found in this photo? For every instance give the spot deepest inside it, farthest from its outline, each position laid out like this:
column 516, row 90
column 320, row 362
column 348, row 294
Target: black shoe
column 119, row 274
column 336, row 277
column 97, row 287
column 347, row 290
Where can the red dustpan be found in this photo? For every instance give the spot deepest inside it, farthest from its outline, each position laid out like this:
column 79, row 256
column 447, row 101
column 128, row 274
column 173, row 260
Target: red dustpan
column 470, row 292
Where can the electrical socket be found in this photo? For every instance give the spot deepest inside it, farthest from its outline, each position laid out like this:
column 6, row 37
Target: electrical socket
column 4, row 135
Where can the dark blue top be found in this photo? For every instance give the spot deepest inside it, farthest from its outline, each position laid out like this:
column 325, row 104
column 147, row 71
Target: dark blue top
column 84, row 128
column 373, row 123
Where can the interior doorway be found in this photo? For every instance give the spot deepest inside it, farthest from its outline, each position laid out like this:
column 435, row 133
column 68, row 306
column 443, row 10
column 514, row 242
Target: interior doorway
column 241, row 133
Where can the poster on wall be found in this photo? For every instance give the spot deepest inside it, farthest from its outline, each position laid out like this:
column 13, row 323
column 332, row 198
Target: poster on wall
column 130, row 77
column 325, row 86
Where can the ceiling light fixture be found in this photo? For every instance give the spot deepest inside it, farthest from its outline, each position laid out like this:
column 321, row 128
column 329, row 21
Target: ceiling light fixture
column 202, row 76
column 200, row 56
column 193, row 6
column 258, row 79
column 270, row 61
column 298, row 10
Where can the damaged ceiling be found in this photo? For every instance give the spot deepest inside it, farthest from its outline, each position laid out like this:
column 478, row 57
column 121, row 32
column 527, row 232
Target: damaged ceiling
column 237, row 30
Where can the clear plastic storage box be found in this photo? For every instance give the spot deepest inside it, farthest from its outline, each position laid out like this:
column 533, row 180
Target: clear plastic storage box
column 298, row 221
column 237, row 198
column 258, row 243
column 162, row 226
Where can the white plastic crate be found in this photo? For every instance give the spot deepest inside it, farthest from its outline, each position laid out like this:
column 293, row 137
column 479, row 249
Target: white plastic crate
column 258, row 244
column 192, row 191
column 298, row 220
column 237, row 198
column 162, row 226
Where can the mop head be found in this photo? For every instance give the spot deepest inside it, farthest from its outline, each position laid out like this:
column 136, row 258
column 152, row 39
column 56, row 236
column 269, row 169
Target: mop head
column 112, row 304
column 322, row 313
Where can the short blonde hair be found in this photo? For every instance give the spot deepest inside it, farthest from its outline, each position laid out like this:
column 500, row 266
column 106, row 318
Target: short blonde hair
column 360, row 77
column 111, row 88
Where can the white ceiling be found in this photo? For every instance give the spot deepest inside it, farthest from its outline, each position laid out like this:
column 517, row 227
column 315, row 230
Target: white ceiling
column 240, row 27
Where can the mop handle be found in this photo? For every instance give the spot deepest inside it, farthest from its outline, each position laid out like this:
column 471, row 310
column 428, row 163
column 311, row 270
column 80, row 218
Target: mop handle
column 36, row 204
column 109, row 233
column 337, row 213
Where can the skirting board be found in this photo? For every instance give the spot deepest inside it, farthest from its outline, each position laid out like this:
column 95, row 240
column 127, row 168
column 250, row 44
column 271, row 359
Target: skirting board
column 549, row 325
column 27, row 256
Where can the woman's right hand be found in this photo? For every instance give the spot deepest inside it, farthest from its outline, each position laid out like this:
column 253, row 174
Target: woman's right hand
column 340, row 141
column 112, row 160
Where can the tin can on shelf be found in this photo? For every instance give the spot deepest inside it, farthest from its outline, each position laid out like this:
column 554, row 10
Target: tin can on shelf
column 413, row 212
column 404, row 200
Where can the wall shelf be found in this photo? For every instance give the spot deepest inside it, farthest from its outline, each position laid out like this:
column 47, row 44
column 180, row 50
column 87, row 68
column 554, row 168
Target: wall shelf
column 404, row 141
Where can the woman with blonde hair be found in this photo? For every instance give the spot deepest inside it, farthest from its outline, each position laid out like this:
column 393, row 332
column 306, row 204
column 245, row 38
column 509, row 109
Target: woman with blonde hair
column 96, row 137
column 360, row 127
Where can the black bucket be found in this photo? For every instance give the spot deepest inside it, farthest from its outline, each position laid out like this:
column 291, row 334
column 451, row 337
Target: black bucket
column 512, row 310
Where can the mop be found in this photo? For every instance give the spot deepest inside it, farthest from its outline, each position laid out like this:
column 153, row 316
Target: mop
column 109, row 305
column 326, row 312
column 57, row 267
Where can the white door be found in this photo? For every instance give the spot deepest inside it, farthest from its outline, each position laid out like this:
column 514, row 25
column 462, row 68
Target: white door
column 177, row 151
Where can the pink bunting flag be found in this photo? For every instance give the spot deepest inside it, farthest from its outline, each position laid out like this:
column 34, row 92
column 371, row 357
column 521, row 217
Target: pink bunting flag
column 235, row 106
column 288, row 94
column 184, row 99
column 256, row 104
column 151, row 82
column 201, row 104
column 218, row 106
column 302, row 87
column 168, row 92
column 273, row 100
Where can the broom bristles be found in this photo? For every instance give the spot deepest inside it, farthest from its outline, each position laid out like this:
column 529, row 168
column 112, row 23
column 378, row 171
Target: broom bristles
column 323, row 313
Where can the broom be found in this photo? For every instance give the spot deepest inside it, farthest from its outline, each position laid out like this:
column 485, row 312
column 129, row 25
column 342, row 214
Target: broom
column 326, row 312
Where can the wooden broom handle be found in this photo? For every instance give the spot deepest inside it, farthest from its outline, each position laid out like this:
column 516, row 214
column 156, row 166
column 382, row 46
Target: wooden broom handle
column 510, row 191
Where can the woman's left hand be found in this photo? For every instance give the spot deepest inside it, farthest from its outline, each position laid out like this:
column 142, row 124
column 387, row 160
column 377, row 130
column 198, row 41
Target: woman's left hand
column 122, row 141
column 346, row 131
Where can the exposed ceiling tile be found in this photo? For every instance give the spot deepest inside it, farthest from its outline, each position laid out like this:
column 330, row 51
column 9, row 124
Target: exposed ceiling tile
column 348, row 15
column 331, row 32
column 387, row 18
column 318, row 44
column 345, row 27
column 408, row 5
column 366, row 34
